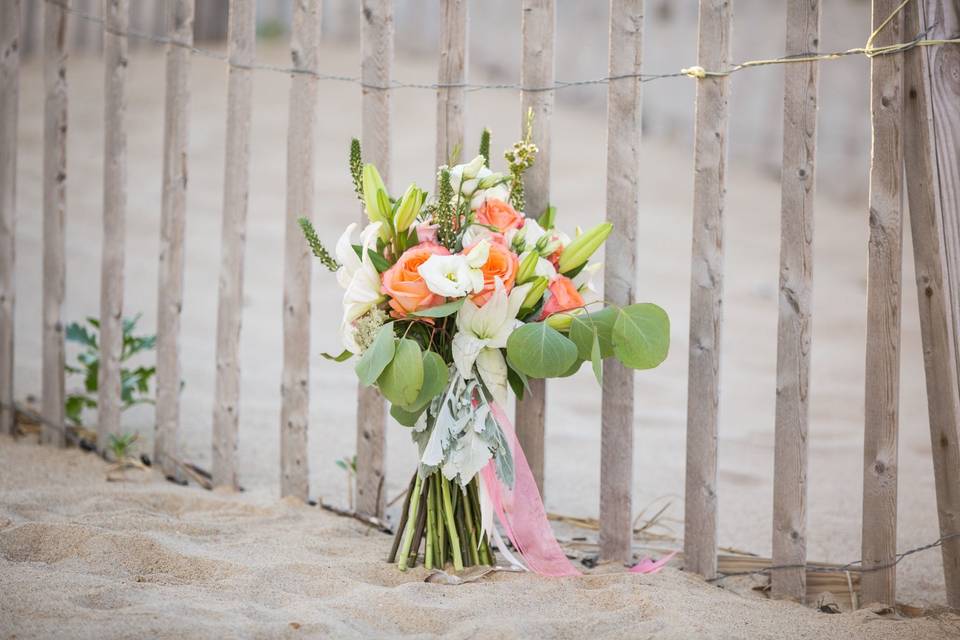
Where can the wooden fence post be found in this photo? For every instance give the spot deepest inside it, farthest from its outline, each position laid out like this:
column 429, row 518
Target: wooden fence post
column 375, row 70
column 54, row 211
column 800, row 95
column 236, row 184
column 537, row 71
column 451, row 101
column 620, row 273
column 295, row 386
column 883, row 314
column 932, row 176
column 706, row 290
column 9, row 103
column 173, row 206
column 109, row 403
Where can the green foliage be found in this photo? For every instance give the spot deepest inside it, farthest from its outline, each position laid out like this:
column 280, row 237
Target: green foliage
column 376, row 358
column 316, row 246
column 485, row 146
column 134, row 381
column 347, row 464
column 441, row 310
column 641, row 336
column 540, row 351
column 356, row 168
column 445, row 214
column 435, row 378
column 402, row 379
column 271, row 29
column 122, row 446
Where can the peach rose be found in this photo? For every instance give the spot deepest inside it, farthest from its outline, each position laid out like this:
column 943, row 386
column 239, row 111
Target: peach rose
column 501, row 263
column 499, row 214
column 563, row 297
column 404, row 284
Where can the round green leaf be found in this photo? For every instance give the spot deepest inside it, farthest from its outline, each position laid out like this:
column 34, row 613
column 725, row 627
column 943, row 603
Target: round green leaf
column 641, row 335
column 435, row 378
column 402, row 380
column 540, row 351
column 377, row 356
column 583, row 326
column 404, row 417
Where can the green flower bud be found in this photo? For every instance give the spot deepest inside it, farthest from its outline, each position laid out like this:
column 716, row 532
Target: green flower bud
column 409, row 208
column 528, row 267
column 583, row 246
column 378, row 207
column 560, row 321
column 534, row 294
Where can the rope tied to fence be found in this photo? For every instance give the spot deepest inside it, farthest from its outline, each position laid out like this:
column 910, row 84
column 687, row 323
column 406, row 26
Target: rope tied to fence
column 696, row 72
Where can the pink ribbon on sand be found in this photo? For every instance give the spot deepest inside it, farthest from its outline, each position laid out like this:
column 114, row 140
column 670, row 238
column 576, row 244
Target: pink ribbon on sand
column 521, row 510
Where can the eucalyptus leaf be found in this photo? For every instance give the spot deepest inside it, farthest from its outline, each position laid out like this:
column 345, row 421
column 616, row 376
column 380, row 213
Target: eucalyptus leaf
column 402, row 379
column 596, row 360
column 540, row 351
column 441, row 310
column 573, row 368
column 585, row 325
column 435, row 378
column 404, row 417
column 376, row 358
column 641, row 335
column 379, row 262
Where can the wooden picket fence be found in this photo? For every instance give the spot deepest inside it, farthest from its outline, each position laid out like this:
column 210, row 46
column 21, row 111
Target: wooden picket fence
column 916, row 123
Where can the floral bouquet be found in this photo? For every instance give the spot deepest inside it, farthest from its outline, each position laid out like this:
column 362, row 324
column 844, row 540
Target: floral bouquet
column 450, row 302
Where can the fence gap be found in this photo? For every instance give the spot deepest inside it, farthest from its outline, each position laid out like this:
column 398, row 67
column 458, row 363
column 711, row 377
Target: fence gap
column 173, row 206
column 451, row 101
column 375, row 69
column 236, row 184
column 706, row 290
column 879, row 540
column 927, row 174
column 800, row 97
column 536, row 71
column 9, row 103
column 295, row 386
column 620, row 273
column 54, row 212
column 109, row 403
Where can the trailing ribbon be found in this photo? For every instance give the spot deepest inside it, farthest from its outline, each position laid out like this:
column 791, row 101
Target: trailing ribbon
column 521, row 510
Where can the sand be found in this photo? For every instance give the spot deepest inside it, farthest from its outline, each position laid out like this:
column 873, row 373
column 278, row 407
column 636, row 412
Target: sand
column 573, row 447
column 83, row 558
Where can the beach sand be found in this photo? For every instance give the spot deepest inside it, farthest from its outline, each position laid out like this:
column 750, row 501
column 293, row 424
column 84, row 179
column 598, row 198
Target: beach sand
column 336, row 562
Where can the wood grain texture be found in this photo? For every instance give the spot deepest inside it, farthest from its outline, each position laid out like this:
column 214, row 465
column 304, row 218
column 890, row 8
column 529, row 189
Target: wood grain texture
column 226, row 408
column 537, row 70
column 879, row 539
column 800, row 97
column 620, row 274
column 109, row 402
column 452, row 101
column 173, row 219
column 706, row 290
column 931, row 168
column 301, row 133
column 9, row 103
column 54, row 212
column 375, row 70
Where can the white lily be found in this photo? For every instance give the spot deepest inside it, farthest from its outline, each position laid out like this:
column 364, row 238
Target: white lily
column 475, row 233
column 482, row 332
column 584, row 280
column 360, row 280
column 450, row 276
column 467, row 179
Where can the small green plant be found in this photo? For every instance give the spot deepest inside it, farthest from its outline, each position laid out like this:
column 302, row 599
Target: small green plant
column 122, row 446
column 134, row 381
column 349, row 465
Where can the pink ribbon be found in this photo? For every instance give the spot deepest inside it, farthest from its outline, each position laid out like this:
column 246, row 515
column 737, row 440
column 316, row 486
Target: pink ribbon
column 646, row 565
column 521, row 510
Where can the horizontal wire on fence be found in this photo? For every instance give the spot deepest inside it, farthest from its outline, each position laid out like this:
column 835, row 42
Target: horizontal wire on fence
column 697, row 72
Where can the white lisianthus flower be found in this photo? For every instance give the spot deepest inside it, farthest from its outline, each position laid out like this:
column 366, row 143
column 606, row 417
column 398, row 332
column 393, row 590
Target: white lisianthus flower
column 483, row 331
column 475, row 233
column 359, row 279
column 499, row 192
column 450, row 276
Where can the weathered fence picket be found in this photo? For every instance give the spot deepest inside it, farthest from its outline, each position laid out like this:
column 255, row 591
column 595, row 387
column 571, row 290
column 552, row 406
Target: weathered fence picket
column 173, row 218
column 236, row 184
column 452, row 100
column 54, row 211
column 9, row 103
column 109, row 403
column 538, row 28
column 927, row 172
column 706, row 290
column 295, row 386
column 375, row 70
column 883, row 313
column 800, row 97
column 620, row 273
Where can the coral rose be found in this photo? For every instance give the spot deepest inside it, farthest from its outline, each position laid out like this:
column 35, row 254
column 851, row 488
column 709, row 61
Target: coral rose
column 563, row 297
column 404, row 284
column 498, row 214
column 501, row 263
